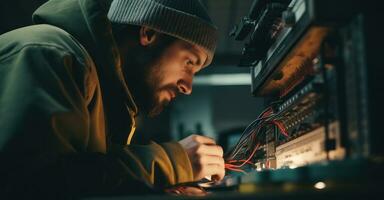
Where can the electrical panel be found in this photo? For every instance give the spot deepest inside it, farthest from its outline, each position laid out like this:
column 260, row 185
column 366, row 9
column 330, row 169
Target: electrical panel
column 309, row 60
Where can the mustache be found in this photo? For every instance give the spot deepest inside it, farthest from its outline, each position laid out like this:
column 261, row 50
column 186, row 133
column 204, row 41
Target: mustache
column 174, row 89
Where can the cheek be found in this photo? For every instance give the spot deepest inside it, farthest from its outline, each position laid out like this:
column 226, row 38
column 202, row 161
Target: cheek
column 166, row 76
column 162, row 95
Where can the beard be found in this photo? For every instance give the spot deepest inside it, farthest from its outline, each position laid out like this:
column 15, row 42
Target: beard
column 141, row 87
column 157, row 105
column 142, row 73
column 146, row 92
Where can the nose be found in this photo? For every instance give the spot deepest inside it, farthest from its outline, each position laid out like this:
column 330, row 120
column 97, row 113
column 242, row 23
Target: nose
column 185, row 86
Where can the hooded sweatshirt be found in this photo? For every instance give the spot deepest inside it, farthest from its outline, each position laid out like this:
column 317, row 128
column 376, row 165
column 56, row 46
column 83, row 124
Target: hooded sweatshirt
column 66, row 113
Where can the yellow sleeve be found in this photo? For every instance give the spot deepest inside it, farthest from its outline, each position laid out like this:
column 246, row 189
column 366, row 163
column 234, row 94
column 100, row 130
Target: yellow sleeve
column 160, row 165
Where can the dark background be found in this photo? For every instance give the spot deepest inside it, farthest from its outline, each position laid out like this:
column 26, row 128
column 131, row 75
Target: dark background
column 211, row 109
column 17, row 13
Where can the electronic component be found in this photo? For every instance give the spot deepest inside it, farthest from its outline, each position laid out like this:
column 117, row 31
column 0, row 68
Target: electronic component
column 310, row 148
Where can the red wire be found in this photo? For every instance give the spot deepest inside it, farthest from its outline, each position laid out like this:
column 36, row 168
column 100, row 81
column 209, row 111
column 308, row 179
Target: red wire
column 237, row 161
column 229, row 165
column 249, row 158
column 281, row 128
column 267, row 113
column 236, row 170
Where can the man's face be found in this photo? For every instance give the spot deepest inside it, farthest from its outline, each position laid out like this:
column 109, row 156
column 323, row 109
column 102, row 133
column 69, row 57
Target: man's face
column 169, row 74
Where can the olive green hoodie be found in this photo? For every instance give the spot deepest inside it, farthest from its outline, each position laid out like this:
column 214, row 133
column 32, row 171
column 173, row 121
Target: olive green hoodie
column 66, row 114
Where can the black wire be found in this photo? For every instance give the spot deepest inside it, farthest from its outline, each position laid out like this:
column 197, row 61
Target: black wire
column 252, row 129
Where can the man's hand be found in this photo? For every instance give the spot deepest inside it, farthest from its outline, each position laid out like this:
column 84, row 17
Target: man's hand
column 206, row 157
column 187, row 191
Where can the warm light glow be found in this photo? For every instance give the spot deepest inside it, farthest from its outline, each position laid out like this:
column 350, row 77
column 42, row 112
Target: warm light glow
column 292, row 167
column 320, row 185
column 315, row 61
column 222, row 79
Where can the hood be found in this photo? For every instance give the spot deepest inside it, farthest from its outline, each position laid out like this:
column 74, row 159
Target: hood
column 86, row 20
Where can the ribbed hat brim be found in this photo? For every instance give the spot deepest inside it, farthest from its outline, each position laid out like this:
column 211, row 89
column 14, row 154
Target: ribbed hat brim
column 166, row 20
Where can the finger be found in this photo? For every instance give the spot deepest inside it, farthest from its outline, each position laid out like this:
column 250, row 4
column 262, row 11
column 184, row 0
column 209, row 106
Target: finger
column 210, row 160
column 214, row 170
column 216, row 178
column 193, row 191
column 213, row 150
column 203, row 139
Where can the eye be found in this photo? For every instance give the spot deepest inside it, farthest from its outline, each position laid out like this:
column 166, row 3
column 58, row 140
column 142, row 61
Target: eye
column 190, row 62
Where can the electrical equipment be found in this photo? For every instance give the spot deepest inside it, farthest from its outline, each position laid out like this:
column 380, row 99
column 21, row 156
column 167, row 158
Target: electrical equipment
column 309, row 148
column 308, row 60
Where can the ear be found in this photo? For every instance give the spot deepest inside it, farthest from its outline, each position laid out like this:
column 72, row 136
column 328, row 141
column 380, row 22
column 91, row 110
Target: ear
column 147, row 36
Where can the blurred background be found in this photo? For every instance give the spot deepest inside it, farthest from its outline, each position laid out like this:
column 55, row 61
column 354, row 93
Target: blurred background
column 221, row 104
column 210, row 110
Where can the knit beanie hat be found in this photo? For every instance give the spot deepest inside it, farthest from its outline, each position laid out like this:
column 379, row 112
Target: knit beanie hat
column 184, row 19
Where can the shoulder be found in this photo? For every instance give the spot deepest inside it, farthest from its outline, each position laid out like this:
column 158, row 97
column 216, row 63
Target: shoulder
column 42, row 37
column 43, row 49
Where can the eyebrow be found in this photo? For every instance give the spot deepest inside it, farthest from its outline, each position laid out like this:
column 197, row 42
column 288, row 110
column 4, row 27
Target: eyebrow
column 194, row 52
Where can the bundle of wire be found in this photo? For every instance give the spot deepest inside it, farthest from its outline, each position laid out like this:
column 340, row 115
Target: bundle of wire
column 250, row 140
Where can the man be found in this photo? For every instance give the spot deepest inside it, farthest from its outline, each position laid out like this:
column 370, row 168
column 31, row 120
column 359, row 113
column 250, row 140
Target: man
column 71, row 86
